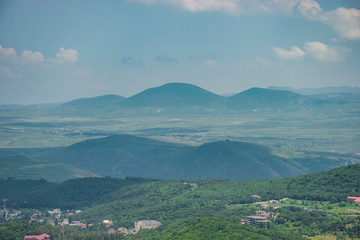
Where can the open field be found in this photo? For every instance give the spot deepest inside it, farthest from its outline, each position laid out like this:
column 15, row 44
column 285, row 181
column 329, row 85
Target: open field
column 306, row 130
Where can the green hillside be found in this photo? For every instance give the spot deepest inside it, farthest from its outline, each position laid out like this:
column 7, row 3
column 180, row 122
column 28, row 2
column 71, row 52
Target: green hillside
column 131, row 199
column 238, row 161
column 21, row 167
column 213, row 228
column 199, row 209
column 127, row 155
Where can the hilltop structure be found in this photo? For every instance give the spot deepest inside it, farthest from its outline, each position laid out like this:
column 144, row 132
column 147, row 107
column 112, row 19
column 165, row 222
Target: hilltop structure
column 257, row 221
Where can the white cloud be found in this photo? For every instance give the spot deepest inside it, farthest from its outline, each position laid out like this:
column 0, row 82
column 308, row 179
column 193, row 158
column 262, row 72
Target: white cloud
column 318, row 50
column 228, row 6
column 33, row 62
column 344, row 21
column 294, row 53
column 28, row 55
column 325, row 53
column 64, row 55
column 309, row 8
column 7, row 53
column 67, row 55
column 210, row 62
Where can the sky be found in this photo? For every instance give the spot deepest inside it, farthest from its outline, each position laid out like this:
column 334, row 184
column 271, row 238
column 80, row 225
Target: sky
column 55, row 51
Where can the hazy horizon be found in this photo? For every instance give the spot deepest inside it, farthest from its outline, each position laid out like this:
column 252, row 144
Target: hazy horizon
column 220, row 94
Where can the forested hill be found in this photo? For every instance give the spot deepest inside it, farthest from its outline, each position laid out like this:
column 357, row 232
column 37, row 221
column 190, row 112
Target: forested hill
column 135, row 198
column 22, row 167
column 128, row 155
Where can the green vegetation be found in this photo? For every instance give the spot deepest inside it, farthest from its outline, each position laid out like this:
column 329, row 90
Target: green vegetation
column 17, row 231
column 176, row 203
column 22, row 167
column 213, row 228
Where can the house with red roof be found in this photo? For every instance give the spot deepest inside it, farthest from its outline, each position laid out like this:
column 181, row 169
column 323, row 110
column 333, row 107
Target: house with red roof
column 38, row 237
column 356, row 199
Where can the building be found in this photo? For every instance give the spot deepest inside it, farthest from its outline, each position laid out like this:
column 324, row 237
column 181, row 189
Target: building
column 65, row 222
column 356, row 199
column 146, row 224
column 123, row 230
column 257, row 221
column 262, row 214
column 265, row 205
column 38, row 237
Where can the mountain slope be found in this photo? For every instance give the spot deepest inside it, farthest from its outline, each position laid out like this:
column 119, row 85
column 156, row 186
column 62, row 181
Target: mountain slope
column 126, row 155
column 95, row 102
column 118, row 155
column 132, row 199
column 238, row 160
column 317, row 91
column 261, row 97
column 173, row 95
column 22, row 167
column 186, row 98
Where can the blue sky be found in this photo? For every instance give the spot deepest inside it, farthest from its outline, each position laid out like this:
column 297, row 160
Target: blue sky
column 55, row 51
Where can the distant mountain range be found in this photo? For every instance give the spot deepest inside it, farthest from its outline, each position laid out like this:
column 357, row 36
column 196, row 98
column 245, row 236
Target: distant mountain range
column 317, row 91
column 188, row 98
column 127, row 155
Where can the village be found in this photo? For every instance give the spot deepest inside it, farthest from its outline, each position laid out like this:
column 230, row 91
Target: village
column 262, row 218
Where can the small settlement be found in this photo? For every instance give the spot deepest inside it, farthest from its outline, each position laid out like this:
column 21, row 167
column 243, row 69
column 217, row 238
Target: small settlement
column 260, row 219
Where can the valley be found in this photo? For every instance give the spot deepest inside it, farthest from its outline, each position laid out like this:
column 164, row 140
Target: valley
column 186, row 158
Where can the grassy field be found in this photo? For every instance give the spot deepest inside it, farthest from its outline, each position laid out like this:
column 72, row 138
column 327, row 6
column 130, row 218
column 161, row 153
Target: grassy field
column 306, row 130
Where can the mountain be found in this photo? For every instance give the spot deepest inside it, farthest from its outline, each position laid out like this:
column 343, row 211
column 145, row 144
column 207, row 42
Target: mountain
column 22, row 167
column 188, row 98
column 119, row 155
column 340, row 98
column 185, row 98
column 236, row 160
column 268, row 98
column 100, row 101
column 126, row 155
column 316, row 91
column 174, row 97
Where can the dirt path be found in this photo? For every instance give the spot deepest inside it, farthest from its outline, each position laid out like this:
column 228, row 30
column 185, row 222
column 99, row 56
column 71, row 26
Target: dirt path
column 325, row 237
column 354, row 210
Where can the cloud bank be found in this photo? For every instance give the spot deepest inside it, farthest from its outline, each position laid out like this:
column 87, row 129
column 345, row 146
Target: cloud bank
column 8, row 55
column 294, row 53
column 317, row 50
column 346, row 22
